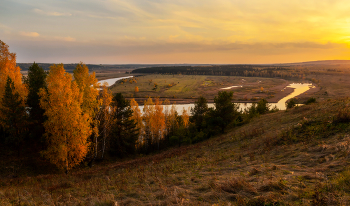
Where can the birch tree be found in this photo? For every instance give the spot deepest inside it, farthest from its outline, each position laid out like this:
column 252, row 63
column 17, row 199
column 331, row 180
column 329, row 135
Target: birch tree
column 67, row 128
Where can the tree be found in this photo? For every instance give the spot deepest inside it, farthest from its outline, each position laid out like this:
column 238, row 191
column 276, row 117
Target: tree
column 263, row 106
column 67, row 128
column 137, row 116
column 14, row 114
column 225, row 110
column 105, row 120
column 148, row 112
column 185, row 117
column 8, row 68
column 124, row 132
column 36, row 80
column 171, row 121
column 136, row 89
column 199, row 111
column 88, row 86
column 158, row 120
column 91, row 105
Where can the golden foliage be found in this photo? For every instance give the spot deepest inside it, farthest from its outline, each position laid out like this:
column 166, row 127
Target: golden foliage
column 8, row 68
column 67, row 128
column 88, row 86
column 158, row 120
column 185, row 117
column 136, row 89
column 136, row 115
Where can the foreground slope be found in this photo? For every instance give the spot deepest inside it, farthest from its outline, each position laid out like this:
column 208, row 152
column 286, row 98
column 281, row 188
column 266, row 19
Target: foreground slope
column 298, row 156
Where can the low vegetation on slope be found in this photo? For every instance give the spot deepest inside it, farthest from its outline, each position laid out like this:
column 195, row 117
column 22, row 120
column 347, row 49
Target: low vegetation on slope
column 294, row 157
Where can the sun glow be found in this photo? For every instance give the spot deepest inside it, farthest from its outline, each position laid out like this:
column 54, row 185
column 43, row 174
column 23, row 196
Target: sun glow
column 227, row 31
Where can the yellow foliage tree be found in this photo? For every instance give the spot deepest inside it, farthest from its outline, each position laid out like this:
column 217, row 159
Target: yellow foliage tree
column 158, row 120
column 88, row 86
column 137, row 116
column 171, row 123
column 148, row 112
column 105, row 116
column 166, row 104
column 67, row 128
column 185, row 117
column 91, row 105
column 136, row 89
column 8, row 68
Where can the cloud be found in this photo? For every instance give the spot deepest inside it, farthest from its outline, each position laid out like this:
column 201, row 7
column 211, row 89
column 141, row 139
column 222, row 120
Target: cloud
column 68, row 38
column 50, row 13
column 29, row 34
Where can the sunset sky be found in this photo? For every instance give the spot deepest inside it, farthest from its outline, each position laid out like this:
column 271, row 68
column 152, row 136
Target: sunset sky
column 176, row 31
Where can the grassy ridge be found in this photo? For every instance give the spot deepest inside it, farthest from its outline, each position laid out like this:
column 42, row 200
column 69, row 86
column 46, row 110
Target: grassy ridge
column 294, row 157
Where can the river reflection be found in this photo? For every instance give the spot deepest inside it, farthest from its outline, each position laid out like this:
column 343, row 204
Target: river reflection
column 281, row 105
column 110, row 82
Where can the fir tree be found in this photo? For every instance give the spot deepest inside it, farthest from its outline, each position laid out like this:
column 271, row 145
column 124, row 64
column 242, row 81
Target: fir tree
column 225, row 110
column 35, row 81
column 14, row 114
column 124, row 132
column 199, row 111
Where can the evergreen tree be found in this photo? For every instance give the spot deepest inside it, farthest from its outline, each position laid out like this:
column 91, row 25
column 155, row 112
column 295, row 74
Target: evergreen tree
column 225, row 110
column 124, row 134
column 263, row 106
column 35, row 81
column 199, row 111
column 14, row 114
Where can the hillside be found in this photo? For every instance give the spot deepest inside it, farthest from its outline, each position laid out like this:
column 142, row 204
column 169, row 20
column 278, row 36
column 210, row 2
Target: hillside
column 294, row 157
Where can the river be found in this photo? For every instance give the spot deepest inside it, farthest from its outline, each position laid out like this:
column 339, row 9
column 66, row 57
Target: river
column 110, row 82
column 281, row 105
column 299, row 88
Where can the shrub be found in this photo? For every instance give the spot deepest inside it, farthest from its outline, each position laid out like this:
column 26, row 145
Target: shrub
column 291, row 103
column 310, row 101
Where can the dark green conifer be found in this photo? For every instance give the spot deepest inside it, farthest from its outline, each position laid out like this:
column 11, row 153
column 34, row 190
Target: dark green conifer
column 199, row 111
column 35, row 81
column 124, row 133
column 14, row 115
column 225, row 110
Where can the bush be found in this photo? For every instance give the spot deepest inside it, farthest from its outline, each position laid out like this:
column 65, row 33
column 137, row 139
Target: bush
column 174, row 140
column 200, row 137
column 310, row 101
column 274, row 109
column 291, row 103
column 343, row 181
column 343, row 116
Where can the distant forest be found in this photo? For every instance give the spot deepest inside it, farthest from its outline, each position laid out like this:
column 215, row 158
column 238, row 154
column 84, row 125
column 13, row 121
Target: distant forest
column 228, row 70
column 71, row 67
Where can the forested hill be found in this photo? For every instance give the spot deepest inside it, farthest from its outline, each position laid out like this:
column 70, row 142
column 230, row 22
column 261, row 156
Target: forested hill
column 228, row 70
column 92, row 67
column 95, row 67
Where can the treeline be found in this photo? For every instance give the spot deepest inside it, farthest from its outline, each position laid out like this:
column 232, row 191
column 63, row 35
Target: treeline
column 71, row 67
column 228, row 70
column 70, row 122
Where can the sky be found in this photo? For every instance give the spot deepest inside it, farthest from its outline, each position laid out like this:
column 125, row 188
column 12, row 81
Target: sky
column 176, row 31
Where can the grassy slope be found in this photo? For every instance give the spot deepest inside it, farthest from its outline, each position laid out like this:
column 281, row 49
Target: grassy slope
column 294, row 157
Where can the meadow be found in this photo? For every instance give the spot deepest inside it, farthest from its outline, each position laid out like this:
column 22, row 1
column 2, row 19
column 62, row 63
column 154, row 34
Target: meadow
column 187, row 88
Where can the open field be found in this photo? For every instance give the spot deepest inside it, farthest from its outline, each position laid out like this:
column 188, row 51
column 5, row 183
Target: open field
column 187, row 88
column 294, row 157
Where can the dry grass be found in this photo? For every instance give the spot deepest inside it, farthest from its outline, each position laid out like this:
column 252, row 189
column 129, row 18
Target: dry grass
column 266, row 162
